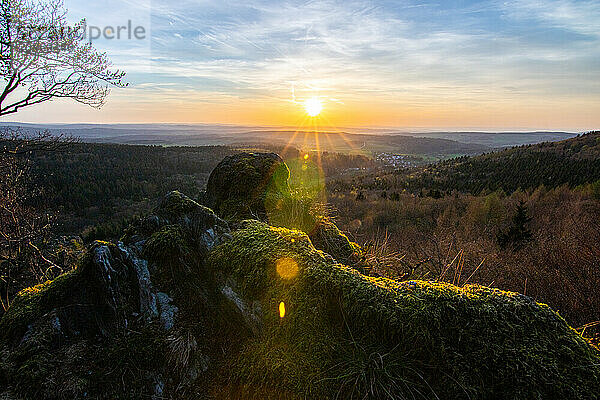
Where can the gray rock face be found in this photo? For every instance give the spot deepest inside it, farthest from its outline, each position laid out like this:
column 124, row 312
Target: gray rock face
column 250, row 312
column 106, row 294
column 147, row 296
column 115, row 286
column 247, row 185
column 168, row 311
column 114, row 276
column 200, row 223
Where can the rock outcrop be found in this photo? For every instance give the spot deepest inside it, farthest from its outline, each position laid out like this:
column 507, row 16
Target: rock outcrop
column 123, row 300
column 248, row 185
column 255, row 186
column 190, row 306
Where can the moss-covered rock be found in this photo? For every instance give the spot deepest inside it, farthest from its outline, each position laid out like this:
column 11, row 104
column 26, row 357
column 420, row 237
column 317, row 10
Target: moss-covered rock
column 247, row 185
column 327, row 236
column 255, row 185
column 347, row 335
column 196, row 221
column 270, row 316
column 167, row 246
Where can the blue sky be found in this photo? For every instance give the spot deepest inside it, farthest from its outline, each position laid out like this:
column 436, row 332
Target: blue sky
column 486, row 64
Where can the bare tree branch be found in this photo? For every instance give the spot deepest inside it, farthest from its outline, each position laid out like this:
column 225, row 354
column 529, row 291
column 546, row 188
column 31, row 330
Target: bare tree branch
column 22, row 225
column 43, row 58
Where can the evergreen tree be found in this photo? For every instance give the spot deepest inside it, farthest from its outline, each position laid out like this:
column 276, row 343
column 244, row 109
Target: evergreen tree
column 517, row 234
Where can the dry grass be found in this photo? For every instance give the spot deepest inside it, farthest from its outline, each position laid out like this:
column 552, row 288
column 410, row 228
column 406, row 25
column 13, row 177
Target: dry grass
column 453, row 239
column 181, row 346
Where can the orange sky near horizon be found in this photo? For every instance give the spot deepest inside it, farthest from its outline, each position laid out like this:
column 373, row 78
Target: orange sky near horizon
column 494, row 66
column 576, row 115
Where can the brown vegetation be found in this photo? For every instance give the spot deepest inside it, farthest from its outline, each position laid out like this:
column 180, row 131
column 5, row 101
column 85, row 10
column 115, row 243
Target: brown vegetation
column 454, row 239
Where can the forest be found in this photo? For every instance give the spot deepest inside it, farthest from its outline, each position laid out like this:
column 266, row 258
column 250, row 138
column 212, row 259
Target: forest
column 443, row 221
column 569, row 162
column 523, row 219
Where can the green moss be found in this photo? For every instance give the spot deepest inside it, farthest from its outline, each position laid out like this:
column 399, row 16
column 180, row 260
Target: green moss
column 167, row 245
column 326, row 236
column 33, row 302
column 177, row 204
column 298, row 214
column 247, row 185
column 169, row 250
column 348, row 335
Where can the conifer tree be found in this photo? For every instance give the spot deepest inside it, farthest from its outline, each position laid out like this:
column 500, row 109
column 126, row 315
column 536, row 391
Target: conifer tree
column 517, row 235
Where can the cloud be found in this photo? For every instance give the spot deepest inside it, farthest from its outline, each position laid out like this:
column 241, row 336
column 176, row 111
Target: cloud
column 577, row 16
column 418, row 53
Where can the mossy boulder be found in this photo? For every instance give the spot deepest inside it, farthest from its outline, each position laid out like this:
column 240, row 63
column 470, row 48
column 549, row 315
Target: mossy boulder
column 327, row 236
column 247, row 185
column 255, row 185
column 346, row 335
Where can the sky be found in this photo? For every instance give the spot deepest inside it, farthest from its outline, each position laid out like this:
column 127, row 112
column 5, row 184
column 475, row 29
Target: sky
column 490, row 65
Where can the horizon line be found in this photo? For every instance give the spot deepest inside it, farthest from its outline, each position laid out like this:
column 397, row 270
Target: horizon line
column 409, row 129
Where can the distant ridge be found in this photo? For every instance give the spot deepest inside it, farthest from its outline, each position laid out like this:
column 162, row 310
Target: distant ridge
column 367, row 140
column 574, row 161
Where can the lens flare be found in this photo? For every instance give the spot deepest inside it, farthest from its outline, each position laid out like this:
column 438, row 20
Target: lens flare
column 281, row 309
column 287, row 268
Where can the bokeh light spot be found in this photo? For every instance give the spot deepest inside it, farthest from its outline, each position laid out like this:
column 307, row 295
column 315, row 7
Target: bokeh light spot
column 281, row 309
column 287, row 268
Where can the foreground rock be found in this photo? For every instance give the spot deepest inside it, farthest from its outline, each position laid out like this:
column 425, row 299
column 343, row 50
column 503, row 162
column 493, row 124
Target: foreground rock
column 255, row 186
column 345, row 335
column 248, row 185
column 116, row 313
column 187, row 308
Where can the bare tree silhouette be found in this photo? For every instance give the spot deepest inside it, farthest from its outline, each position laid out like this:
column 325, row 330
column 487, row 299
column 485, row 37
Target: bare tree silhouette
column 42, row 58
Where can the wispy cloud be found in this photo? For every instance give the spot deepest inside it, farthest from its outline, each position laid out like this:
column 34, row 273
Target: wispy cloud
column 579, row 16
column 417, row 53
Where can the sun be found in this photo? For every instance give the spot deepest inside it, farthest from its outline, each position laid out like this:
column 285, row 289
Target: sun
column 313, row 106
